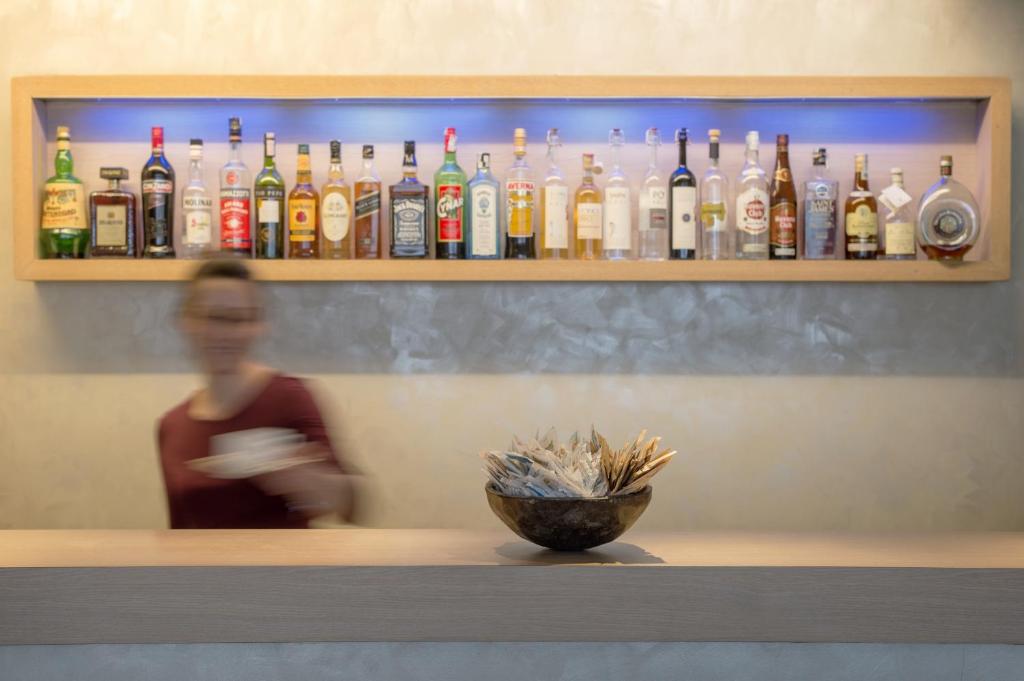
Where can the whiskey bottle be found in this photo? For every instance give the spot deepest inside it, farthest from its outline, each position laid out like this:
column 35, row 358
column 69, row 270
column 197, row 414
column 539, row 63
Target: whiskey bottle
column 861, row 215
column 617, row 230
column 752, row 205
column 268, row 193
column 335, row 213
column 235, row 197
column 554, row 201
column 157, row 202
column 367, row 209
column 652, row 211
column 948, row 219
column 197, row 236
column 588, row 219
column 449, row 196
column 897, row 237
column 64, row 231
column 303, row 202
column 683, row 206
column 410, row 201
column 714, row 216
column 820, row 195
column 520, row 197
column 484, row 229
column 112, row 213
column 782, row 202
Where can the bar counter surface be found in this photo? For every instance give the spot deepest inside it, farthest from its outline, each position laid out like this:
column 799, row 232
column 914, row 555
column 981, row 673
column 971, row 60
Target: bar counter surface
column 87, row 586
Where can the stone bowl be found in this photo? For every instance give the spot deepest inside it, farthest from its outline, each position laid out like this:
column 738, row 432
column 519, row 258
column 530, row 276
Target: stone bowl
column 568, row 523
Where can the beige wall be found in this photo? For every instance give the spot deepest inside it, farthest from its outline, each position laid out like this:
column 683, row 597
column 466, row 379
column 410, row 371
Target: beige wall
column 936, row 445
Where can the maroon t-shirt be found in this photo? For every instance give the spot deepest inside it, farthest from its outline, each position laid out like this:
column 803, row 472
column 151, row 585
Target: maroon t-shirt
column 196, row 500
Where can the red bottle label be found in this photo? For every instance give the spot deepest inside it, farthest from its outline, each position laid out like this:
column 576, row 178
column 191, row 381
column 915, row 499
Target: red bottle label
column 235, row 232
column 449, row 213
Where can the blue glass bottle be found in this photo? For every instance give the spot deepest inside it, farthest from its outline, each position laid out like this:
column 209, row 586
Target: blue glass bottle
column 484, row 233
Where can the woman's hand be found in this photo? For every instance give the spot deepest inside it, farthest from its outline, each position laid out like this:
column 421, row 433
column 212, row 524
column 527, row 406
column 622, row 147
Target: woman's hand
column 313, row 488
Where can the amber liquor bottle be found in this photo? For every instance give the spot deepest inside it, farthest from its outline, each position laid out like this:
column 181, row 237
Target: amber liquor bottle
column 861, row 215
column 782, row 202
column 112, row 216
column 366, row 191
column 303, row 202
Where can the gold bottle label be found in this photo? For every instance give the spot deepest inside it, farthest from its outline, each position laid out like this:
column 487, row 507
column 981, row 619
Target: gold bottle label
column 63, row 206
column 302, row 220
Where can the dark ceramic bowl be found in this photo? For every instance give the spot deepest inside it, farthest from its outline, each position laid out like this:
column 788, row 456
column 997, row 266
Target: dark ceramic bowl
column 568, row 523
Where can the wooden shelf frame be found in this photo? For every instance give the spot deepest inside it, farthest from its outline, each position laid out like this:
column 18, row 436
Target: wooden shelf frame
column 30, row 94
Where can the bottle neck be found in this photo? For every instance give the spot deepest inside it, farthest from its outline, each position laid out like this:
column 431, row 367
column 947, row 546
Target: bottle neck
column 63, row 164
column 113, row 185
column 409, row 173
column 369, row 170
column 235, row 153
column 335, row 172
column 552, row 156
column 752, row 156
column 195, row 170
column 782, row 158
column 713, row 154
column 268, row 162
column 449, row 157
column 860, row 180
column 820, row 171
column 303, row 173
column 682, row 153
column 652, row 158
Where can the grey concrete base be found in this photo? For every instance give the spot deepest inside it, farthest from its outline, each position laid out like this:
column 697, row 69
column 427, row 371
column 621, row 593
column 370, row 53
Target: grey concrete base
column 514, row 661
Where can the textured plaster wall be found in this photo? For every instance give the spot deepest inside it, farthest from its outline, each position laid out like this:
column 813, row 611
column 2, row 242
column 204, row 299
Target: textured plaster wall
column 794, row 406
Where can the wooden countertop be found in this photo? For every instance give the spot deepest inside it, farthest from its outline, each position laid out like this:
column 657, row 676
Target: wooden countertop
column 441, row 585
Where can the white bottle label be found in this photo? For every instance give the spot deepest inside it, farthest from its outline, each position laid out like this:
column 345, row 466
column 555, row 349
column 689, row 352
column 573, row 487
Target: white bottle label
column 617, row 230
column 111, row 225
column 894, row 198
column 556, row 219
column 899, row 238
column 589, row 223
column 197, row 228
column 653, row 208
column 269, row 211
column 684, row 218
column 334, row 216
column 752, row 211
column 484, row 221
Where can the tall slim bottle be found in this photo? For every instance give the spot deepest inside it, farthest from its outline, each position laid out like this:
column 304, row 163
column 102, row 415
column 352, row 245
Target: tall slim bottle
column 782, row 201
column 449, row 197
column 618, row 225
column 652, row 223
column 410, row 211
column 898, row 237
column 484, row 229
column 554, row 201
column 682, row 206
column 303, row 205
column 714, row 213
column 861, row 215
column 520, row 200
column 64, row 228
column 157, row 202
column 752, row 205
column 335, row 213
column 197, row 207
column 235, row 197
column 269, row 193
column 588, row 218
column 821, row 193
column 366, row 191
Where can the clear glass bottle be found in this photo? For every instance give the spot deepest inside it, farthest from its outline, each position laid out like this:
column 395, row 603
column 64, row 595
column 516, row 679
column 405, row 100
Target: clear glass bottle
column 269, row 195
column 197, row 237
column 752, row 205
column 484, row 229
column 303, row 206
column 714, row 212
column 897, row 239
column 948, row 219
column 410, row 210
column 652, row 209
column 683, row 230
column 821, row 194
column 64, row 230
column 112, row 216
column 235, row 197
column 554, row 201
column 861, row 224
column 588, row 220
column 335, row 210
column 617, row 219
column 520, row 200
column 366, row 192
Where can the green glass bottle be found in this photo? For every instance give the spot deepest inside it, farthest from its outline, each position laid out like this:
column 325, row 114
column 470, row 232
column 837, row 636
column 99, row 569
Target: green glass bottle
column 449, row 197
column 269, row 195
column 64, row 229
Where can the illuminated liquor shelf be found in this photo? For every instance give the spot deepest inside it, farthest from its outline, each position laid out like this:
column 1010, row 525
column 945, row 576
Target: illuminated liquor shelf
column 906, row 122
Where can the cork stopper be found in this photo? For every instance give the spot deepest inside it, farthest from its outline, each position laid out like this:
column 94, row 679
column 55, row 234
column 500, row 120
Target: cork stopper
column 714, row 134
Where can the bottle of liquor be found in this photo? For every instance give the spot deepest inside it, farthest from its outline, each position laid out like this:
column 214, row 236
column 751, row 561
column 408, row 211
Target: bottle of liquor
column 484, row 230
column 157, row 202
column 588, row 220
column 335, row 212
column 269, row 192
column 820, row 196
column 752, row 205
column 897, row 237
column 683, row 206
column 112, row 212
column 196, row 207
column 449, row 194
column 554, row 200
column 64, row 231
column 652, row 230
column 948, row 219
column 520, row 195
column 367, row 209
column 782, row 201
column 303, row 204
column 235, row 197
column 410, row 201
column 618, row 227
column 861, row 215
column 714, row 216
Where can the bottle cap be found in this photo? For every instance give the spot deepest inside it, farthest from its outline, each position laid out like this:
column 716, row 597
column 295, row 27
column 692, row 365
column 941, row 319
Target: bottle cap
column 114, row 173
column 782, row 140
column 616, row 137
column 590, row 164
column 235, row 129
column 753, row 139
column 269, row 143
column 63, row 132
column 896, row 171
column 714, row 134
column 410, row 153
column 195, row 142
column 519, row 140
column 157, row 134
column 652, row 137
column 304, row 149
column 682, row 135
column 367, row 151
column 449, row 140
column 946, row 161
column 820, row 156
column 485, row 161
column 335, row 150
column 553, row 139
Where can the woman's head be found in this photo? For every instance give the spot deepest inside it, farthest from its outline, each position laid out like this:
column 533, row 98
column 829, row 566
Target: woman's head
column 222, row 314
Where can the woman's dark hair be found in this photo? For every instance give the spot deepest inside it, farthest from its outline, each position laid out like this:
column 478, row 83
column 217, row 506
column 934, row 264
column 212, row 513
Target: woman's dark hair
column 220, row 267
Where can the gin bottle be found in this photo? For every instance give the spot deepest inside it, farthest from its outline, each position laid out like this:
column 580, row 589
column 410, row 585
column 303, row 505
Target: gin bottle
column 519, row 203
column 714, row 216
column 197, row 207
column 652, row 227
column 948, row 219
column 820, row 195
column 897, row 237
column 554, row 201
column 752, row 205
column 617, row 226
column 484, row 229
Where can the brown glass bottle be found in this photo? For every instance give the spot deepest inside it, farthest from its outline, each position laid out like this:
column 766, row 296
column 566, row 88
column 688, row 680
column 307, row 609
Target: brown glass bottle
column 303, row 202
column 782, row 212
column 861, row 228
column 112, row 212
column 366, row 191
